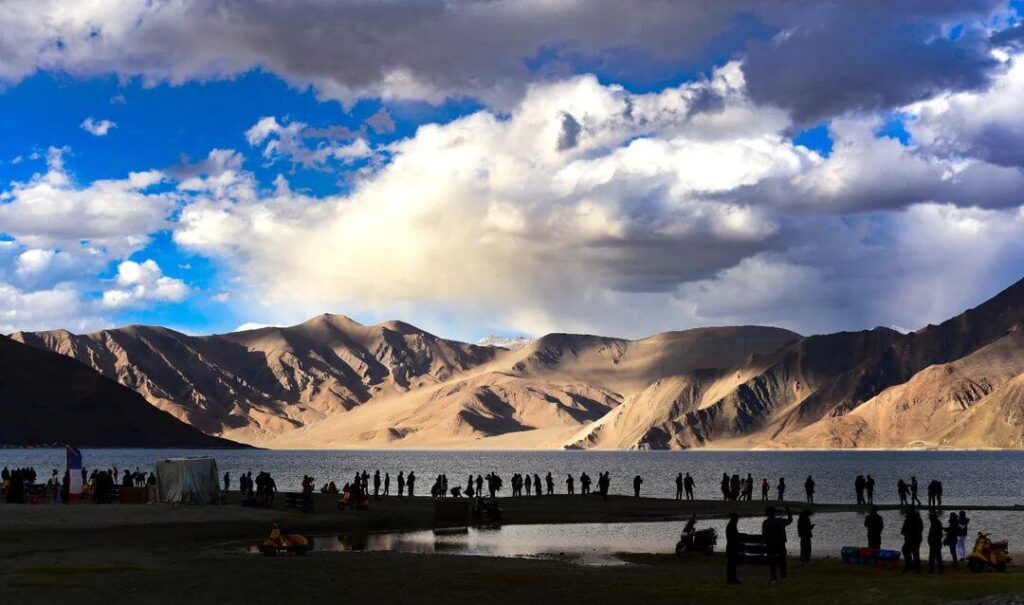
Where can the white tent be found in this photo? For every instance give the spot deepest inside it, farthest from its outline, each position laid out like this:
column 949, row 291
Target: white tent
column 188, row 480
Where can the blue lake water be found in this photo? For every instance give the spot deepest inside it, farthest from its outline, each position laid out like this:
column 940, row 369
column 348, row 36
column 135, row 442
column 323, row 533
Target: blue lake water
column 975, row 477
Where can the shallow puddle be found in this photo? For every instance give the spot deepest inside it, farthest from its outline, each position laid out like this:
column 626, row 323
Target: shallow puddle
column 599, row 543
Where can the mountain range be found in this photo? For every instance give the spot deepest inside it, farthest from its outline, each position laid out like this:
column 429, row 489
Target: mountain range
column 334, row 383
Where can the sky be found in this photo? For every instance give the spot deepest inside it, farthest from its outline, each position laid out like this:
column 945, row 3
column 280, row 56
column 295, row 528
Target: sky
column 508, row 167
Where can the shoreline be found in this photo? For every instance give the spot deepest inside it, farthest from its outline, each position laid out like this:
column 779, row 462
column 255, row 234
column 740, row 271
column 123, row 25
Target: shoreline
column 158, row 553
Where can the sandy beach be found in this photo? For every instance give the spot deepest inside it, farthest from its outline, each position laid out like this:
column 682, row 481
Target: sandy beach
column 154, row 553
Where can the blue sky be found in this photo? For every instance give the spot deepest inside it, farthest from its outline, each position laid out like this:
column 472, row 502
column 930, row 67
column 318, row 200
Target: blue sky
column 536, row 170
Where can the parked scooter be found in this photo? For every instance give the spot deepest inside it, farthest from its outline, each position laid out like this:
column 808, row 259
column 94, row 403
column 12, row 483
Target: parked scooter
column 703, row 540
column 988, row 554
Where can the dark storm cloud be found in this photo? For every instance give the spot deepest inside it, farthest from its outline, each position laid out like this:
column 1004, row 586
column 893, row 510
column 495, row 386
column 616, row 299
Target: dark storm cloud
column 1011, row 38
column 838, row 57
column 824, row 58
column 569, row 137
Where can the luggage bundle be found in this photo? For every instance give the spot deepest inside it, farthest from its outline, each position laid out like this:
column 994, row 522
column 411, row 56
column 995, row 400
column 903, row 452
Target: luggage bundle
column 854, row 555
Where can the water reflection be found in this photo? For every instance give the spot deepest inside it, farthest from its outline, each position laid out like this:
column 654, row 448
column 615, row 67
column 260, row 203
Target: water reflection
column 598, row 543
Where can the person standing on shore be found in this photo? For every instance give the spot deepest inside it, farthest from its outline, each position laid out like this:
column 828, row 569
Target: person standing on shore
column 411, row 483
column 227, row 481
column 536, row 485
column 733, row 549
column 782, row 488
column 869, row 486
column 913, row 491
column 952, row 532
column 603, row 483
column 569, row 487
column 401, row 483
column 913, row 533
column 387, row 484
column 688, row 486
column 376, row 484
column 875, row 524
column 679, row 486
column 637, row 482
column 935, row 533
column 809, row 488
column 902, row 489
column 804, row 529
column 748, row 488
column 550, row 483
column 961, row 537
column 773, row 530
column 765, row 488
column 858, row 486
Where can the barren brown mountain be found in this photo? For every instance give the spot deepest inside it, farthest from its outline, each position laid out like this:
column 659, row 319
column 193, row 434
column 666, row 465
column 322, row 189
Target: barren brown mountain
column 52, row 399
column 331, row 382
column 251, row 384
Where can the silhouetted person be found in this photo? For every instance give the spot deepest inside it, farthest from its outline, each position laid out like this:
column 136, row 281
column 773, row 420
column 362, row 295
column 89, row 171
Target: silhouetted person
column 227, row 481
column 569, row 487
column 401, row 483
column 902, row 490
column 773, row 529
column 479, row 486
column 858, row 486
column 913, row 492
column 748, row 488
column 875, row 524
column 679, row 486
column 765, row 488
column 913, row 533
column 782, row 488
column 869, row 487
column 938, row 494
column 536, row 485
column 935, row 534
column 949, row 537
column 387, row 484
column 804, row 529
column 410, row 483
column 961, row 537
column 809, row 488
column 529, row 485
column 550, row 483
column 725, row 486
column 603, row 483
column 376, row 484
column 733, row 548
column 688, row 486
column 637, row 482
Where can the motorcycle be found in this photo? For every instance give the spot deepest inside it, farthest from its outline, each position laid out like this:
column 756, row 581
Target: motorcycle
column 987, row 554
column 703, row 540
column 279, row 543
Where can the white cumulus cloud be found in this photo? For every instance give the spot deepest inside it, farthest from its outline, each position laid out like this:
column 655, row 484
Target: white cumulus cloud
column 98, row 128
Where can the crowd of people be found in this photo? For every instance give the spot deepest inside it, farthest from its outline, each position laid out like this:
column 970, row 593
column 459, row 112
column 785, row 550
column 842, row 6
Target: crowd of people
column 21, row 485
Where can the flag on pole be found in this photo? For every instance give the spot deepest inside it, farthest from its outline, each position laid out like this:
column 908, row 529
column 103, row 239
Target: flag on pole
column 74, row 458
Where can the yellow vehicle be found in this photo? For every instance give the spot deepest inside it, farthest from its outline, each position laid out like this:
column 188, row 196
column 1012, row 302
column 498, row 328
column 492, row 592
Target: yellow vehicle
column 279, row 543
column 987, row 554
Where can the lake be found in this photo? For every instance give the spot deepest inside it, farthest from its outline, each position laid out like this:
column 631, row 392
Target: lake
column 969, row 477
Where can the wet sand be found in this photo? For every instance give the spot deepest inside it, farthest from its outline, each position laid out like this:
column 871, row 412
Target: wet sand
column 156, row 553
